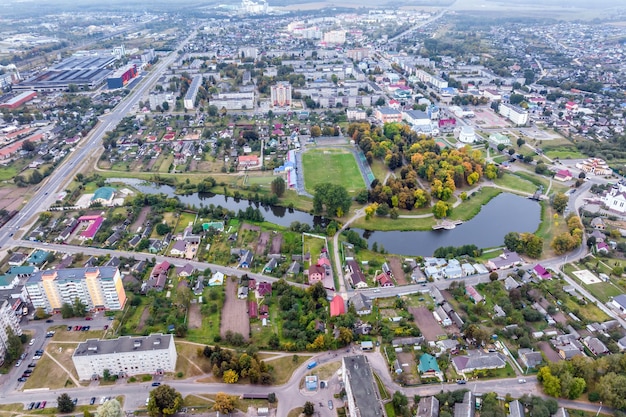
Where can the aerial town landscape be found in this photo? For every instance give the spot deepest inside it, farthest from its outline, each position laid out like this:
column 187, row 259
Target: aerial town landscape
column 288, row 209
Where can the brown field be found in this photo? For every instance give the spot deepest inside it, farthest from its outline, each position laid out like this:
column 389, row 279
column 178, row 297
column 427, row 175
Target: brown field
column 550, row 354
column 195, row 317
column 426, row 323
column 142, row 320
column 262, row 243
column 396, row 269
column 234, row 312
column 143, row 215
column 277, row 242
column 11, row 198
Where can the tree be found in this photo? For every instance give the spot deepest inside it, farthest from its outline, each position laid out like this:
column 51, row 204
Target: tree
column 79, row 308
column 559, row 202
column 493, row 276
column 28, row 146
column 224, row 403
column 400, row 402
column 67, row 311
column 334, row 197
column 165, row 106
column 520, row 142
column 111, row 408
column 230, row 376
column 308, row 409
column 14, row 346
column 164, row 401
column 316, row 131
column 278, row 186
column 65, row 403
column 163, row 229
column 441, row 209
column 512, row 241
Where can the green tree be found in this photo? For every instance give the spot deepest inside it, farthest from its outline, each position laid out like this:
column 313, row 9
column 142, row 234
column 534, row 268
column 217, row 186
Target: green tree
column 551, row 384
column 163, row 229
column 278, row 186
column 67, row 311
column 308, row 409
column 164, row 401
column 65, row 403
column 512, row 241
column 559, row 202
column 79, row 308
column 111, row 408
column 334, row 197
column 230, row 376
column 400, row 402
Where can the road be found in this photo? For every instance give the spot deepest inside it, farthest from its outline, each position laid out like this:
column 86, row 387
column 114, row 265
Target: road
column 64, row 174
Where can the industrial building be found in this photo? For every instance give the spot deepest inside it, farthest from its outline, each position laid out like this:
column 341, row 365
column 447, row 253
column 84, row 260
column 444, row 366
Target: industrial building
column 99, row 288
column 18, row 100
column 192, row 92
column 234, row 101
column 361, row 390
column 86, row 73
column 125, row 356
column 122, row 76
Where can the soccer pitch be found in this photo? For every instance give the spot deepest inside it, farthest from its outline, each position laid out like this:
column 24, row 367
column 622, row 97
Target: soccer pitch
column 335, row 166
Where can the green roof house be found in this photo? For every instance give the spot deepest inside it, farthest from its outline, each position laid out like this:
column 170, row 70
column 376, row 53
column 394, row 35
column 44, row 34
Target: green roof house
column 104, row 196
column 428, row 367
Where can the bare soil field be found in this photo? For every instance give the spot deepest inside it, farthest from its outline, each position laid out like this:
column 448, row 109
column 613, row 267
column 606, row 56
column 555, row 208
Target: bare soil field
column 234, row 312
column 195, row 317
column 262, row 243
column 396, row 269
column 141, row 219
column 550, row 354
column 426, row 323
column 142, row 319
column 277, row 242
column 247, row 226
column 11, row 198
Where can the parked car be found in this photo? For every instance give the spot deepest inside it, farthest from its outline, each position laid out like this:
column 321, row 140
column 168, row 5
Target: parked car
column 156, row 384
column 21, row 379
column 92, row 401
column 49, row 321
column 43, row 404
column 31, row 406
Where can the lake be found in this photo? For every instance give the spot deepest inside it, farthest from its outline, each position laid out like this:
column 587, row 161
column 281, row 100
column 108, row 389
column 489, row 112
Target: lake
column 503, row 214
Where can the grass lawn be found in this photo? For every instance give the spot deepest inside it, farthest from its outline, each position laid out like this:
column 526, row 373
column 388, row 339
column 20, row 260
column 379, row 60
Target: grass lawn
column 549, row 228
column 387, row 223
column 210, row 320
column 7, row 173
column 389, row 410
column 472, row 206
column 183, row 221
column 295, row 412
column 325, row 371
column 166, row 163
column 314, row 246
column 63, row 352
column 189, row 361
column 285, row 366
column 47, row 374
column 603, row 291
column 563, row 152
column 514, row 182
column 196, row 401
column 63, row 335
column 379, row 169
column 331, row 165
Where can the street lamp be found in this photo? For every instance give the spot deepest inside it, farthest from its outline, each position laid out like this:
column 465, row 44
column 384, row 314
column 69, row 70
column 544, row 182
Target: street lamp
column 599, row 409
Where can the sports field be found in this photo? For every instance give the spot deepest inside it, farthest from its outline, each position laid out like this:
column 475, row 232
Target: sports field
column 336, row 166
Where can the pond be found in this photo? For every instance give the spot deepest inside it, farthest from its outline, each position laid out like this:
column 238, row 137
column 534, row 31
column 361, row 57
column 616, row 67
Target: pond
column 503, row 214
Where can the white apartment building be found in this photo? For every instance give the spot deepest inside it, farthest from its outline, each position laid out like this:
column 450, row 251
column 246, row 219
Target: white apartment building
column 515, row 114
column 361, row 390
column 335, row 37
column 190, row 98
column 8, row 319
column 125, row 356
column 234, row 101
column 99, row 288
column 281, row 95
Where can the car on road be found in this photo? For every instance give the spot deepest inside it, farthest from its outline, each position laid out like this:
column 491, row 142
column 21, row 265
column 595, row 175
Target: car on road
column 106, row 326
column 31, row 406
column 32, row 342
column 49, row 321
column 32, row 365
column 25, row 375
column 89, row 318
column 521, row 381
column 330, row 404
column 102, row 400
column 76, row 328
column 69, row 328
column 92, row 401
column 28, row 371
column 75, row 401
column 156, row 384
column 461, row 381
column 18, row 363
column 21, row 379
column 43, row 404
column 37, row 405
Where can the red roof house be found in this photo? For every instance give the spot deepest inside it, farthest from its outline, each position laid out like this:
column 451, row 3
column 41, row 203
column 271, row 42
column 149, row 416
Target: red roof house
column 337, row 306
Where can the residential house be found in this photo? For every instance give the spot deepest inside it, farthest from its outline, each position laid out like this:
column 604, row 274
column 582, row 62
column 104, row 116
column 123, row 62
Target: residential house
column 253, row 309
column 563, row 175
column 508, row 259
column 541, row 272
column 179, row 248
column 561, row 412
column 242, row 292
column 473, row 294
column 529, row 358
column 453, row 271
column 263, row 289
column 270, row 266
column 598, row 223
column 428, row 367
column 316, row 274
column 475, row 360
column 198, row 288
column 294, row 269
column 619, row 302
column 428, row 407
column 442, row 317
column 622, row 343
column 510, row 283
column 245, row 259
column 595, row 345
column 362, row 305
column 602, row 247
column 384, row 280
column 185, row 271
column 467, row 408
column 468, row 269
column 337, row 306
column 516, row 409
column 414, row 341
column 217, row 279
column 17, row 259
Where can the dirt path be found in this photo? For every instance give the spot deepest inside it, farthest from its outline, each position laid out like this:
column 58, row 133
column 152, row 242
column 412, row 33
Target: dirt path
column 195, row 317
column 141, row 219
column 142, row 320
column 69, row 374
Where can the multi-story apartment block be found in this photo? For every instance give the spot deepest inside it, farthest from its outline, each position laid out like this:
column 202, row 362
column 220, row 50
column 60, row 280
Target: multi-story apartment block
column 361, row 391
column 8, row 320
column 281, row 95
column 99, row 288
column 515, row 114
column 125, row 356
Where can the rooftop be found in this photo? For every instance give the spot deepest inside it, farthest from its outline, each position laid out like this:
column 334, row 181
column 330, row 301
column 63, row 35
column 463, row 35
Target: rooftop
column 363, row 388
column 124, row 344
